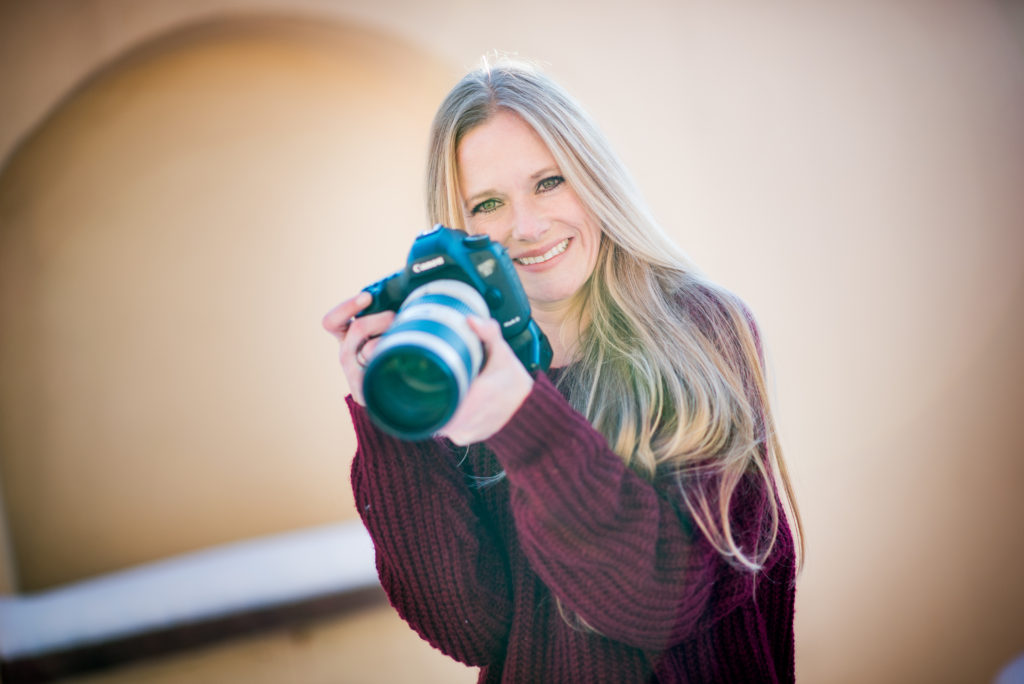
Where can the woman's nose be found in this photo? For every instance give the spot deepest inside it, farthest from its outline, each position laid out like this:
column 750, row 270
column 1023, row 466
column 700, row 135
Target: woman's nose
column 529, row 224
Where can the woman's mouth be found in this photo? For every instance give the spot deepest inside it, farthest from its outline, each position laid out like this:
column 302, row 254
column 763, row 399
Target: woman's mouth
column 546, row 256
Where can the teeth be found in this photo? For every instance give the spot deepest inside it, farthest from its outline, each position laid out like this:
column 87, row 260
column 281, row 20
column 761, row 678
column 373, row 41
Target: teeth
column 551, row 253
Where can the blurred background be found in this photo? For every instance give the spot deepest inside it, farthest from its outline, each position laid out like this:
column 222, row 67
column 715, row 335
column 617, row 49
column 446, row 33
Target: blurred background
column 187, row 186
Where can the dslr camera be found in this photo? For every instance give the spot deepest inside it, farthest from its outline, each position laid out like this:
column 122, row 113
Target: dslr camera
column 424, row 363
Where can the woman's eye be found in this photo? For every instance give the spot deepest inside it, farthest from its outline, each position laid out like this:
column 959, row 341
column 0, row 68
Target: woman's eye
column 550, row 183
column 486, row 207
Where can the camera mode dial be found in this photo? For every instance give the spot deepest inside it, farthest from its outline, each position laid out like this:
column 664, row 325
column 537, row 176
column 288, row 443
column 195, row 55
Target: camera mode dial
column 477, row 241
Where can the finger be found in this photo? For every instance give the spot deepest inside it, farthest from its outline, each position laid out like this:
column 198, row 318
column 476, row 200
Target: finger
column 357, row 348
column 361, row 338
column 364, row 350
column 337, row 320
column 373, row 325
column 487, row 329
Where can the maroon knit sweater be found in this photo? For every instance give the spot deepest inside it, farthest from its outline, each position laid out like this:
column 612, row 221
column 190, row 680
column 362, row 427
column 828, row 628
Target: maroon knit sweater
column 476, row 568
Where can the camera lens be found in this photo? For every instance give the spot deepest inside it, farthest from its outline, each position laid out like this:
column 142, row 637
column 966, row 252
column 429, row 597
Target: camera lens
column 424, row 363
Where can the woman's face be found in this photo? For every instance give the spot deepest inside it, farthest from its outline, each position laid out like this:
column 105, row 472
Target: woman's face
column 513, row 190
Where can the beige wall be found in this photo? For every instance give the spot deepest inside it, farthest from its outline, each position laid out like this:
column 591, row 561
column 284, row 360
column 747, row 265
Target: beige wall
column 172, row 231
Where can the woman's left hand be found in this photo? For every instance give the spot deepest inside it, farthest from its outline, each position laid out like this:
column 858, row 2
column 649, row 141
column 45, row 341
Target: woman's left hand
column 497, row 392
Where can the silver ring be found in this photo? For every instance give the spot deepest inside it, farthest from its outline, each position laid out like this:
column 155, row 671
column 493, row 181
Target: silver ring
column 360, row 359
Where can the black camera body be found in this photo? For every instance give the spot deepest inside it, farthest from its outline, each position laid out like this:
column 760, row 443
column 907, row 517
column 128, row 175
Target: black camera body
column 417, row 368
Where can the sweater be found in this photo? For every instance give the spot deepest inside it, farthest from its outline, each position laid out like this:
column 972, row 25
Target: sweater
column 485, row 571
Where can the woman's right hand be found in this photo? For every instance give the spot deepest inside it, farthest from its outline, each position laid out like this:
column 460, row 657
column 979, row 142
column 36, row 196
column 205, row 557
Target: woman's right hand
column 357, row 337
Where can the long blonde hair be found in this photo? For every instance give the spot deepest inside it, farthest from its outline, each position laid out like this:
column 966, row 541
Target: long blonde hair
column 669, row 367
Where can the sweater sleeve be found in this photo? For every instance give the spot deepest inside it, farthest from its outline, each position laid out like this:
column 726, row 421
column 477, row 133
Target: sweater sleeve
column 617, row 550
column 438, row 563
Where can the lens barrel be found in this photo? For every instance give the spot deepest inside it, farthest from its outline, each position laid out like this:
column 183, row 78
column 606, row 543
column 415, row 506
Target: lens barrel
column 422, row 366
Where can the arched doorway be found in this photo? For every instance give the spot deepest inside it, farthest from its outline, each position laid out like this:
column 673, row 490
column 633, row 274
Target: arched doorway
column 171, row 235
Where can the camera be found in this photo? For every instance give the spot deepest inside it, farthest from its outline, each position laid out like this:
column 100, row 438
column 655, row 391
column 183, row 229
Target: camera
column 424, row 363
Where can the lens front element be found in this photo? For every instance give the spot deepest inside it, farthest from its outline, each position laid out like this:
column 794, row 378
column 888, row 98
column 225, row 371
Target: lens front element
column 423, row 365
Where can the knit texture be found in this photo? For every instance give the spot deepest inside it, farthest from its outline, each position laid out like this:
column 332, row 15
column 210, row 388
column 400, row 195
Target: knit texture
column 475, row 567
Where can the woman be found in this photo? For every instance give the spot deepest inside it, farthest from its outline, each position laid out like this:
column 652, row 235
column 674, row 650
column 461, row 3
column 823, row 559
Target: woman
column 622, row 517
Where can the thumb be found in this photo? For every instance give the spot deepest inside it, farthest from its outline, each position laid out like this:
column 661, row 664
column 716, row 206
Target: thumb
column 487, row 329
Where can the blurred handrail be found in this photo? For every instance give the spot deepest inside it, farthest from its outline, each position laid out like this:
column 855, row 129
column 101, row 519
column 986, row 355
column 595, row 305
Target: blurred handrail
column 262, row 576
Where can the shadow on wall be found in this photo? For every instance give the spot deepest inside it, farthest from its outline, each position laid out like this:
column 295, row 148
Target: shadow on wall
column 173, row 232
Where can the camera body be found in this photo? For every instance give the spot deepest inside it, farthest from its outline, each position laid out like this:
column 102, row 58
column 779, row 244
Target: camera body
column 426, row 359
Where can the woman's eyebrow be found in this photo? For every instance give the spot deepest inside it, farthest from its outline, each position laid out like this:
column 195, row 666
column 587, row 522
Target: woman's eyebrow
column 546, row 171
column 472, row 200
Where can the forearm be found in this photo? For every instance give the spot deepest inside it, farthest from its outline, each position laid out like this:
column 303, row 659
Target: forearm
column 436, row 560
column 614, row 548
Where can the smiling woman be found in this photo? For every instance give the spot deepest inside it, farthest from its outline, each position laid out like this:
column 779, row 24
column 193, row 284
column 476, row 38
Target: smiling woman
column 635, row 522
